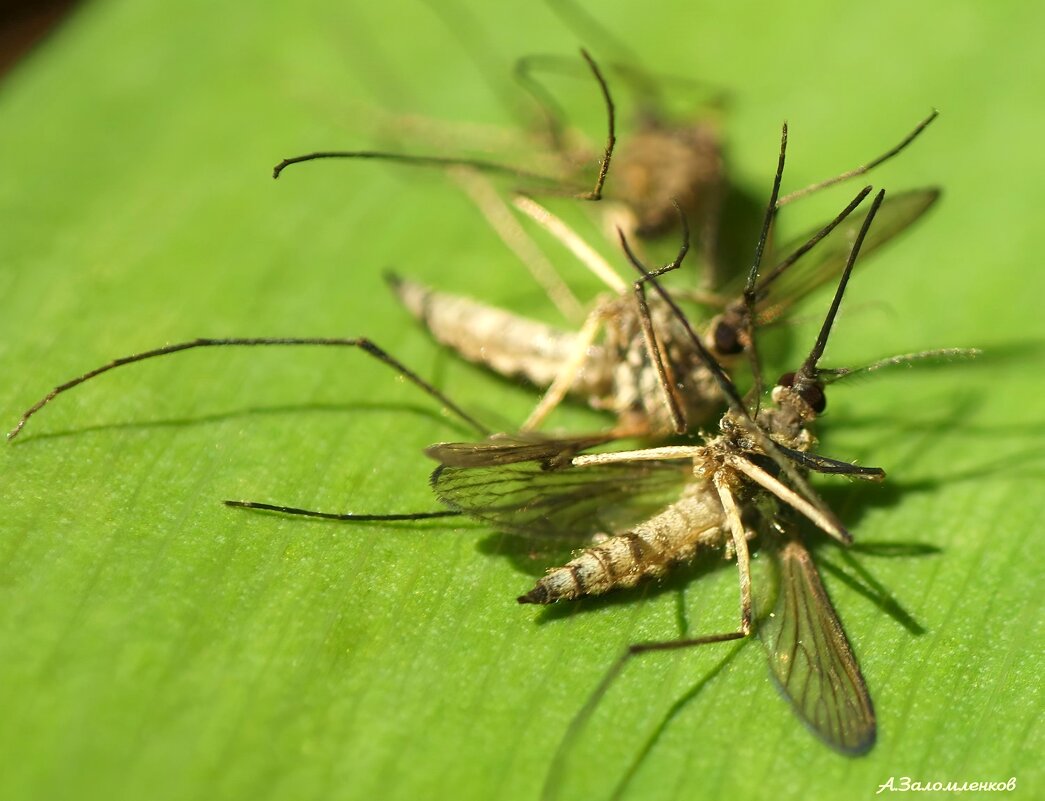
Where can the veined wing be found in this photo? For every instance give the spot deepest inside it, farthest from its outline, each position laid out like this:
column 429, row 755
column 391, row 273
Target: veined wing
column 548, row 497
column 827, row 258
column 512, row 448
column 811, row 658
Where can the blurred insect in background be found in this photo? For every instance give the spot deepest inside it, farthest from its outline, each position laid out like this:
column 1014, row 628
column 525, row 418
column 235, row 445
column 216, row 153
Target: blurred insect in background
column 664, row 160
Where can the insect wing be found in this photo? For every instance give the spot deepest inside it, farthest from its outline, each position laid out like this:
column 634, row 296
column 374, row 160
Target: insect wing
column 826, row 260
column 811, row 659
column 532, row 498
column 503, row 449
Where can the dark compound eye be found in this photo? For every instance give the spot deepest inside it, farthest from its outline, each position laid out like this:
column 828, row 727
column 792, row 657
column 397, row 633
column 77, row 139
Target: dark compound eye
column 815, row 397
column 811, row 393
column 726, row 339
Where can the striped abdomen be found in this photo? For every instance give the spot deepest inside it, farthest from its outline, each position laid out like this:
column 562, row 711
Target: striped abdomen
column 652, row 548
column 506, row 343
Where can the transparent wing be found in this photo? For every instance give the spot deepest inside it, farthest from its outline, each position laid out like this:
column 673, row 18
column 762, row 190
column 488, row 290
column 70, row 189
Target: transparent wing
column 512, row 448
column 826, row 260
column 810, row 656
column 537, row 498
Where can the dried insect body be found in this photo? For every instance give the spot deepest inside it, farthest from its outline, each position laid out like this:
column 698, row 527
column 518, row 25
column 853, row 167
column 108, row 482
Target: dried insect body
column 660, row 165
column 654, row 384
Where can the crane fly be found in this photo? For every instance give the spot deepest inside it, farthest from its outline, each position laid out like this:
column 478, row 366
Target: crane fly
column 611, row 362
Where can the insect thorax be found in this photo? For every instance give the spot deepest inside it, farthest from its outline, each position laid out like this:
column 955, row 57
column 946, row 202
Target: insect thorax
column 637, row 389
column 788, row 421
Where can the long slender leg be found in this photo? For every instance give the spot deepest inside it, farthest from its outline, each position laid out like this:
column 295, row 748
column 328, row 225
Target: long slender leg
column 505, row 225
column 611, row 135
column 655, row 352
column 661, row 453
column 654, row 348
column 423, row 161
column 736, row 529
column 554, row 115
column 481, row 164
column 749, row 290
column 714, row 274
column 588, row 256
column 474, row 39
column 744, row 631
column 820, row 515
column 359, row 518
column 568, row 372
column 365, row 345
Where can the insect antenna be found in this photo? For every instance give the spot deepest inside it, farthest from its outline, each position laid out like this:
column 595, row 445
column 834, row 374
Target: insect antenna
column 862, row 169
column 484, row 165
column 806, row 379
column 365, row 345
column 653, row 345
column 749, row 295
column 935, row 356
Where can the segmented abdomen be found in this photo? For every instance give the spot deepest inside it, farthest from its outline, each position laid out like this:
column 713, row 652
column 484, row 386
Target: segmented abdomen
column 692, row 523
column 506, row 343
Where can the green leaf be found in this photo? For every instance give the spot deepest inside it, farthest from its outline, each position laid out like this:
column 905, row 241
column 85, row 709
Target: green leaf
column 155, row 644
